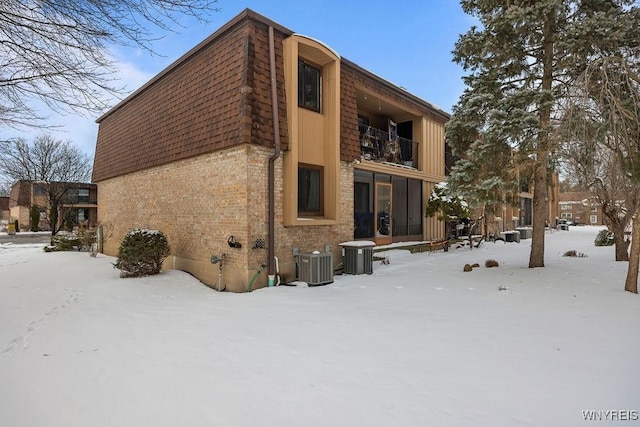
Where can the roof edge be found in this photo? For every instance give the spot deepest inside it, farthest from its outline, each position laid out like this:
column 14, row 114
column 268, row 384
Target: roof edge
column 431, row 107
column 246, row 14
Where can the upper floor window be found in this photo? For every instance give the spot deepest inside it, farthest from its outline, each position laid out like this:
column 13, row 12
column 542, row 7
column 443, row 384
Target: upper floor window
column 309, row 88
column 39, row 190
column 565, row 206
column 83, row 195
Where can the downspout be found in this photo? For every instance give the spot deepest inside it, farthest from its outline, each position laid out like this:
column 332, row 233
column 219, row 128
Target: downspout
column 276, row 139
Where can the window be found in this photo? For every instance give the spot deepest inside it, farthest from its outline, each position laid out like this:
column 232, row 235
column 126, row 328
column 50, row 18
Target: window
column 594, row 208
column 566, row 215
column 593, row 219
column 39, row 189
column 83, row 195
column 309, row 90
column 310, row 190
column 565, row 206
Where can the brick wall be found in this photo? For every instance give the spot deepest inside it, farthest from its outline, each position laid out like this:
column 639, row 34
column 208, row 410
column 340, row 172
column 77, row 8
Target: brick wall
column 199, row 202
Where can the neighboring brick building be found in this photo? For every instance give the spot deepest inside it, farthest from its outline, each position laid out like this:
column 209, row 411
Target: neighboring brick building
column 580, row 208
column 199, row 153
column 79, row 202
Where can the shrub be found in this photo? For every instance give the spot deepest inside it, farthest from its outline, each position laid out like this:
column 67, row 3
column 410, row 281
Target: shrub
column 491, row 263
column 475, row 265
column 604, row 238
column 467, row 267
column 89, row 241
column 573, row 253
column 64, row 242
column 141, row 253
column 68, row 222
column 34, row 217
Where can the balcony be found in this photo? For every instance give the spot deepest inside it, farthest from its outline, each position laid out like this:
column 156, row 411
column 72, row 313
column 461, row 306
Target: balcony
column 72, row 199
column 377, row 146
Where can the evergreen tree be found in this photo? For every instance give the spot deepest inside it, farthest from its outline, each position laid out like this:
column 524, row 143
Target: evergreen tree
column 448, row 208
column 521, row 61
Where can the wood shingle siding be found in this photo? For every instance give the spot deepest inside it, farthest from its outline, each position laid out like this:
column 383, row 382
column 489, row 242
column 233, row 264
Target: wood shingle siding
column 218, row 97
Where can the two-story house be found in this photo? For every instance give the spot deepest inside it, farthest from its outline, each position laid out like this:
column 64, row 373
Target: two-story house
column 580, row 208
column 77, row 202
column 260, row 143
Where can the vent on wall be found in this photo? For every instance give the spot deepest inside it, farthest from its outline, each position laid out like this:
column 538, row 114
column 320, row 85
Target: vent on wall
column 316, row 269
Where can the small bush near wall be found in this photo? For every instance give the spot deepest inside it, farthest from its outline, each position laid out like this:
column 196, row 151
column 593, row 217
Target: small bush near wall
column 604, row 238
column 141, row 253
column 89, row 241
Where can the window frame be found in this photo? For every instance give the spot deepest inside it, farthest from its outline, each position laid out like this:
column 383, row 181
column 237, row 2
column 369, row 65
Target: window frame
column 39, row 189
column 302, row 102
column 84, row 195
column 302, row 168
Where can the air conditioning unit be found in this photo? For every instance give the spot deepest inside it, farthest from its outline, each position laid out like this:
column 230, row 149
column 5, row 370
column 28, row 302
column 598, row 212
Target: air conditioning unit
column 358, row 257
column 315, row 268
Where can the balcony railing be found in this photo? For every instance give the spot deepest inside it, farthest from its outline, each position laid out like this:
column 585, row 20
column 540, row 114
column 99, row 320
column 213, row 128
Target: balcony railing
column 80, row 200
column 376, row 145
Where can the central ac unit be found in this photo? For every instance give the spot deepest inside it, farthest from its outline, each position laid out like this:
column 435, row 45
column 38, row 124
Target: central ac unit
column 316, row 268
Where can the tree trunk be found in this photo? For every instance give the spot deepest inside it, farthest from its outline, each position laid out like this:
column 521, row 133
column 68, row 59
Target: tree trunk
column 540, row 205
column 53, row 219
column 536, row 257
column 622, row 246
column 631, row 284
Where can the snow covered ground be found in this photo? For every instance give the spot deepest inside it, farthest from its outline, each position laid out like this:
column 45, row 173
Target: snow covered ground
column 419, row 342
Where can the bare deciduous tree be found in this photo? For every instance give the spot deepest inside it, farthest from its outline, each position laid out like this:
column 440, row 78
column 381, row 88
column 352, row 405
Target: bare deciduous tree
column 57, row 51
column 607, row 102
column 44, row 159
column 55, row 167
column 597, row 169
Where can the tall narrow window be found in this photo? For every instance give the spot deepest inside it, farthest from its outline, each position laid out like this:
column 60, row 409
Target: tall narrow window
column 309, row 90
column 310, row 200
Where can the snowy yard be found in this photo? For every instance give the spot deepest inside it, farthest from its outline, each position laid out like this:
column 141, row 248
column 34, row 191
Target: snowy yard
column 419, row 342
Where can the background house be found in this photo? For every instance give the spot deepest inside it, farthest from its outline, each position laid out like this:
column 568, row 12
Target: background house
column 201, row 153
column 580, row 208
column 78, row 202
column 519, row 213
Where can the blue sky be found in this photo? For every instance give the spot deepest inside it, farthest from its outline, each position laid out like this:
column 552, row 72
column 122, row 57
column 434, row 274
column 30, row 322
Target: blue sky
column 407, row 42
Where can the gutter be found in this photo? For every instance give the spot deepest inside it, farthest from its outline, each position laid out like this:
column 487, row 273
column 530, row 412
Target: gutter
column 276, row 139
